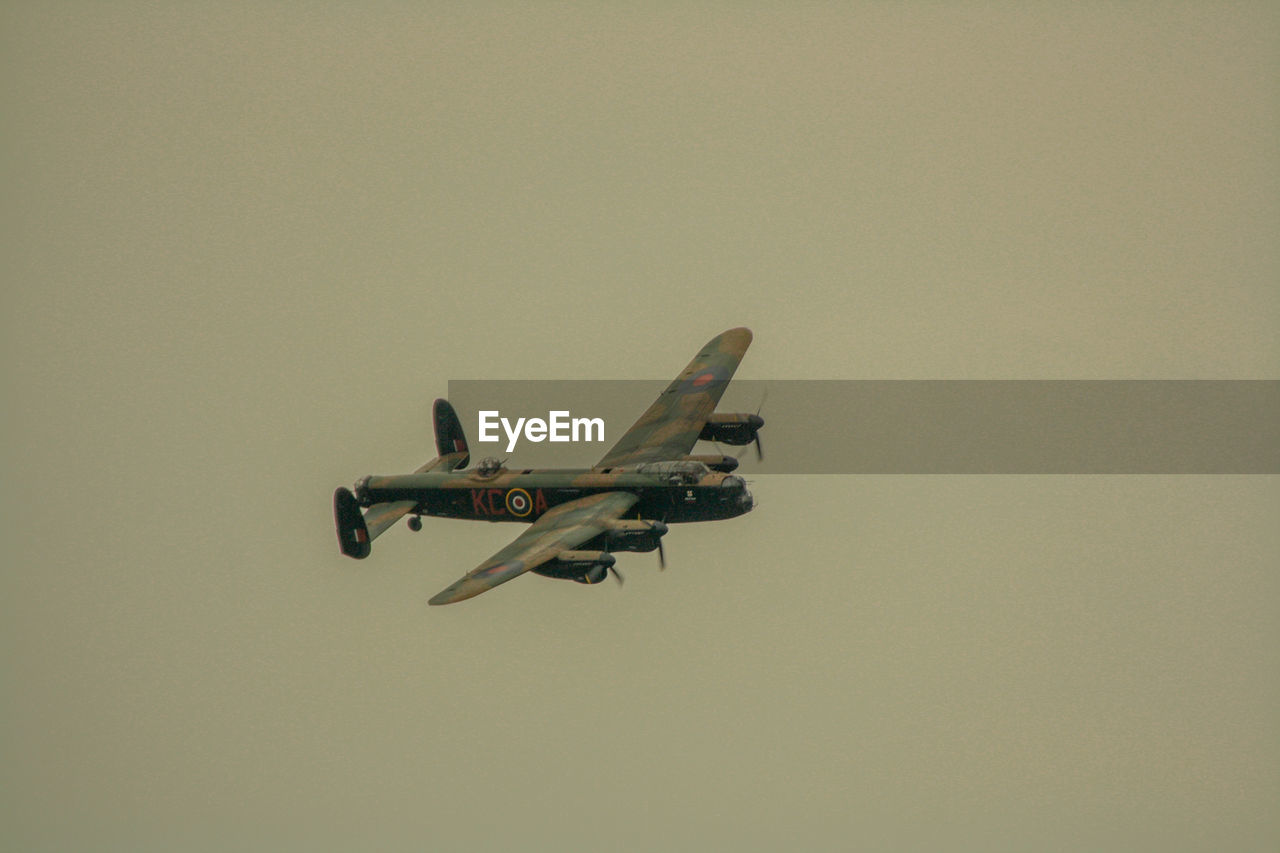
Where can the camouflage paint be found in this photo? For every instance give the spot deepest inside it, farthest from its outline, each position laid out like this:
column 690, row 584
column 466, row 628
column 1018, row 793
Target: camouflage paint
column 670, row 427
column 562, row 529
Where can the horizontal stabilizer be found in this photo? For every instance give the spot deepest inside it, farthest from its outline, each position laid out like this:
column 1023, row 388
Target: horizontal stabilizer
column 445, row 463
column 380, row 517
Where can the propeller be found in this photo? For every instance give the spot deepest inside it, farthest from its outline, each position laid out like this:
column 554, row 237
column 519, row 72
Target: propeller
column 660, row 528
column 760, row 447
column 612, row 569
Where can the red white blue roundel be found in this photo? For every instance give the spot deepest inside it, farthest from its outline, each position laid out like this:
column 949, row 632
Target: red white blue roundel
column 519, row 503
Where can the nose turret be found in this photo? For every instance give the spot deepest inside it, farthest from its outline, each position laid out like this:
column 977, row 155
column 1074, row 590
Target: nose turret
column 743, row 499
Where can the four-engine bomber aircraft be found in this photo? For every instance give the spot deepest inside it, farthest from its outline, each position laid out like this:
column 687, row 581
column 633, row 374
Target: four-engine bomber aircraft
column 647, row 480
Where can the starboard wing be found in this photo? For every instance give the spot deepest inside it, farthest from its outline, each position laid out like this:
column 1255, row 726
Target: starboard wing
column 560, row 529
column 670, row 427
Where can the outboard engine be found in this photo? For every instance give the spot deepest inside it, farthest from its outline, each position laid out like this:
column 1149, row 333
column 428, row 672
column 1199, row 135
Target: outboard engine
column 735, row 429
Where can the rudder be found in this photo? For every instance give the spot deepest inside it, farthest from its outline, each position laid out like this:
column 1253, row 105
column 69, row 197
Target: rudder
column 353, row 534
column 449, row 435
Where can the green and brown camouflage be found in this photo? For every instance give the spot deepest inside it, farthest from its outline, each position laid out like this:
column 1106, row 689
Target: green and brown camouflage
column 551, row 538
column 575, row 515
column 672, row 425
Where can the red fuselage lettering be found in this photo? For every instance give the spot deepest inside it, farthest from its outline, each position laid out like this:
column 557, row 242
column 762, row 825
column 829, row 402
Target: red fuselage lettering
column 489, row 502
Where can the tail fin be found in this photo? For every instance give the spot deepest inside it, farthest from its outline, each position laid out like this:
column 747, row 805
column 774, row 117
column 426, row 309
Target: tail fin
column 353, row 535
column 450, row 438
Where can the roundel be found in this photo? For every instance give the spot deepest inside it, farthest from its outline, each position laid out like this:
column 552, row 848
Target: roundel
column 519, row 502
column 699, row 381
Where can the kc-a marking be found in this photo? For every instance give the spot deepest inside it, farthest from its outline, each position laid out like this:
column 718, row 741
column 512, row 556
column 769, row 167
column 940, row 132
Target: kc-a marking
column 517, row 502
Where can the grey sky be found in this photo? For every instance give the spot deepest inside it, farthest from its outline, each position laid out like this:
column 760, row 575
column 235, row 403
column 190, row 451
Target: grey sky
column 247, row 246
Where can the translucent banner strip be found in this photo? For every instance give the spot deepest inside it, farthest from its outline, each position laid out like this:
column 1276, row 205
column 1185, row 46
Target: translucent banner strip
column 921, row 426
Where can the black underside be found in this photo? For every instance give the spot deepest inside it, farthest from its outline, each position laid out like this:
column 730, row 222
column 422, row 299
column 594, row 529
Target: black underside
column 673, row 504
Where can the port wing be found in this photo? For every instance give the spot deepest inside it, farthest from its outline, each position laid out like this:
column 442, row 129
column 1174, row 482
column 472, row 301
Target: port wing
column 560, row 529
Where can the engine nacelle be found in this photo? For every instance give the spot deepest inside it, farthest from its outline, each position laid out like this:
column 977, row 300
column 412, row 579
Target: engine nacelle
column 723, row 464
column 636, row 535
column 731, row 428
column 593, row 575
column 580, row 566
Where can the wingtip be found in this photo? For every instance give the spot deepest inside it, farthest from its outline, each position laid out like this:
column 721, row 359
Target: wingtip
column 739, row 337
column 460, row 591
column 450, row 596
column 479, row 580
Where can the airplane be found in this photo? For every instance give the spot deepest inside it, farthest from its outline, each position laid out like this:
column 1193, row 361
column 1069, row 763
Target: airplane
column 576, row 517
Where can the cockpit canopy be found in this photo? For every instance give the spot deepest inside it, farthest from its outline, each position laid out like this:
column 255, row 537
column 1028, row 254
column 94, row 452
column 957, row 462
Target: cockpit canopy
column 675, row 472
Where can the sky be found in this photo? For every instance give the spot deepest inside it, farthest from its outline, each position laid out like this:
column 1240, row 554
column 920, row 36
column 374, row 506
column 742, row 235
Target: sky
column 248, row 244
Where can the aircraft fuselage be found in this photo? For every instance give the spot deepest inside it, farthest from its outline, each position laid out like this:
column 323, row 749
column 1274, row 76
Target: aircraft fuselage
column 524, row 495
